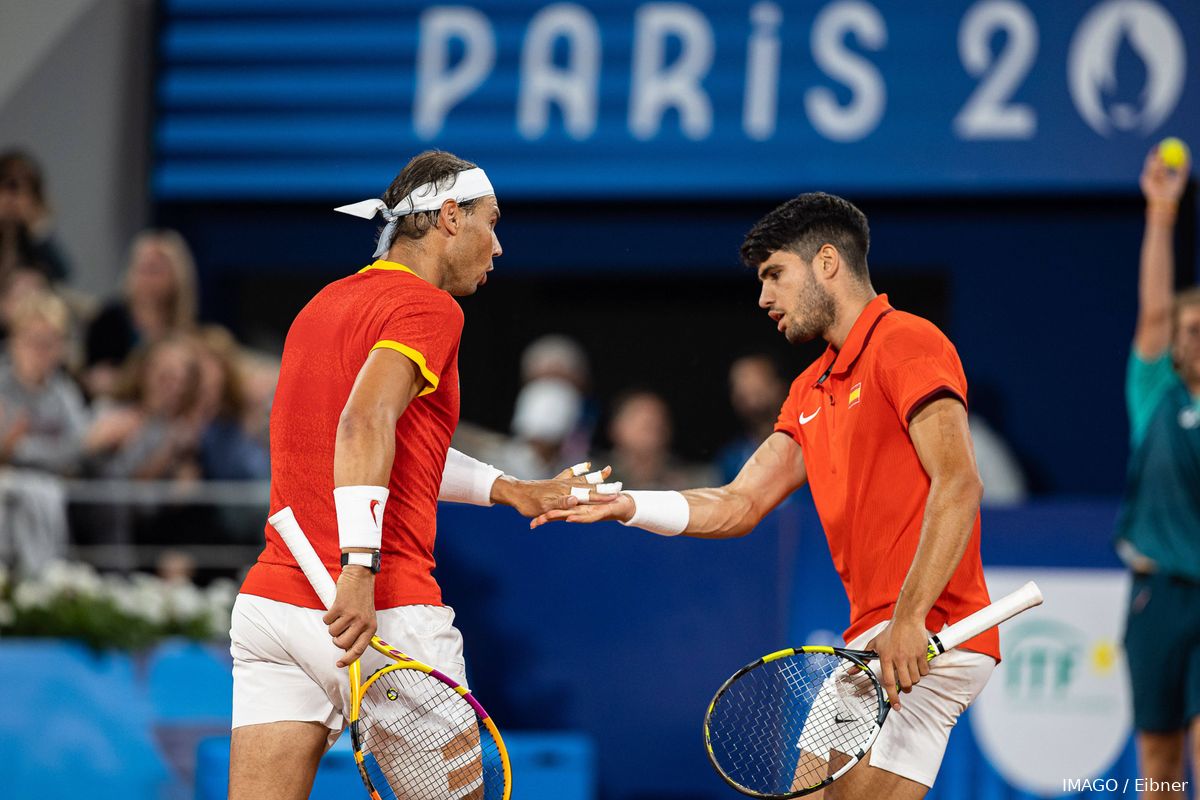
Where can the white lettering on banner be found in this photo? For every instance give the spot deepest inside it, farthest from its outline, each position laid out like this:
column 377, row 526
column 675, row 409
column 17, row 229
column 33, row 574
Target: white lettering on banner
column 841, row 31
column 858, row 118
column 989, row 114
column 656, row 87
column 762, row 72
column 542, row 82
column 439, row 88
column 1154, row 36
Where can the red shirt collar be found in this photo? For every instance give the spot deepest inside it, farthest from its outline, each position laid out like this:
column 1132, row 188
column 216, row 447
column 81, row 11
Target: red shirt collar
column 838, row 362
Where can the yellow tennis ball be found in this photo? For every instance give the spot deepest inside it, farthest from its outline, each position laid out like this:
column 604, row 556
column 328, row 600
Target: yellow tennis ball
column 1173, row 152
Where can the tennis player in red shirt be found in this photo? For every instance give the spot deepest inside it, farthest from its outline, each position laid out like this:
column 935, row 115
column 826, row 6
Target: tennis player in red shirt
column 877, row 427
column 364, row 410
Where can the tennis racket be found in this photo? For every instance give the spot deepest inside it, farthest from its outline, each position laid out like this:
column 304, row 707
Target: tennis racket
column 416, row 734
column 795, row 721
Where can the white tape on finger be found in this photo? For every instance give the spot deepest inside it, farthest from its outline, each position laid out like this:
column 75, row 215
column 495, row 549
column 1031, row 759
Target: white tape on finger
column 581, row 494
column 609, row 488
column 581, row 468
column 595, row 477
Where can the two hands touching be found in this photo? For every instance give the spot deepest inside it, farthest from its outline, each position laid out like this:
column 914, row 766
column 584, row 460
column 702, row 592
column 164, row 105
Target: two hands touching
column 351, row 618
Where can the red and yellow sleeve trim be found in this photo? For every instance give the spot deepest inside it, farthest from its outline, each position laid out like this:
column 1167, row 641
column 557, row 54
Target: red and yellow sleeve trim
column 417, row 358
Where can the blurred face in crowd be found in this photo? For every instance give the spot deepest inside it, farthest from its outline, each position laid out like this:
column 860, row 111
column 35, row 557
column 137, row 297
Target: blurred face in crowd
column 151, row 276
column 21, row 285
column 211, row 384
column 170, row 379
column 37, row 347
column 1185, row 348
column 755, row 391
column 800, row 305
column 642, row 424
column 471, row 252
column 18, row 198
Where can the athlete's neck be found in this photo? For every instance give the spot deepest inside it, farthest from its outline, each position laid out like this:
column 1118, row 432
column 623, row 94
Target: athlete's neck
column 848, row 309
column 420, row 260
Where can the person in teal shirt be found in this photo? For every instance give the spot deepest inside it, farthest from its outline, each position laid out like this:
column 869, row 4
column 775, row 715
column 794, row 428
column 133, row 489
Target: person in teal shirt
column 1158, row 533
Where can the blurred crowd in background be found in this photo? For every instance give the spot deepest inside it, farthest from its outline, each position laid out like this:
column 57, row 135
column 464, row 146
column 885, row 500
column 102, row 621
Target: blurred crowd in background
column 136, row 387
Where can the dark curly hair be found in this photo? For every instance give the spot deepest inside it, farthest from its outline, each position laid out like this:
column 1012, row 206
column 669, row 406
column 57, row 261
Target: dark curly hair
column 805, row 223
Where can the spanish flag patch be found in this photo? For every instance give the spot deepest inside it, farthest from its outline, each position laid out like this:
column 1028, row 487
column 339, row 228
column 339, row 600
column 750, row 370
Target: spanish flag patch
column 855, row 395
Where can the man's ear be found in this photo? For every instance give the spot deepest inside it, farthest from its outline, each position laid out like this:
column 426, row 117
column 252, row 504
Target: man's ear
column 829, row 260
column 450, row 216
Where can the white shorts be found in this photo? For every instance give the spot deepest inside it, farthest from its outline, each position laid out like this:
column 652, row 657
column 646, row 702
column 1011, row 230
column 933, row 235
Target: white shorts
column 913, row 739
column 285, row 662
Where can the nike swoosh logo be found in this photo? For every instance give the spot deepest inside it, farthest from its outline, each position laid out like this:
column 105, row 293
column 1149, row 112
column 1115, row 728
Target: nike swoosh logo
column 373, row 504
column 805, row 420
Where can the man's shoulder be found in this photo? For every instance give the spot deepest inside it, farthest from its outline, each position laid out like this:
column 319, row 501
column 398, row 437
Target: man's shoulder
column 903, row 336
column 388, row 290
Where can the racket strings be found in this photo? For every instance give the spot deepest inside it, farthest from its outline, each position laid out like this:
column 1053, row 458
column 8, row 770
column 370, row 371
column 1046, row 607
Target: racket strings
column 789, row 724
column 423, row 741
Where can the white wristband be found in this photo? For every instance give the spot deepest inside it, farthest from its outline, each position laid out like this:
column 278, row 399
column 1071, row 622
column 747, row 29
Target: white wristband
column 664, row 513
column 465, row 480
column 360, row 515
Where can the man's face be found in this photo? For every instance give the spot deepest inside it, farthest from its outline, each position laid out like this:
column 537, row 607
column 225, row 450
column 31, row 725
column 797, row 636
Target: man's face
column 801, row 308
column 1186, row 346
column 475, row 247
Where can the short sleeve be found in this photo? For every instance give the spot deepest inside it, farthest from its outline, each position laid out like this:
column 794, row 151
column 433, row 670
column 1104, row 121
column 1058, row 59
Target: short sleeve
column 425, row 325
column 928, row 366
column 788, row 421
column 1146, row 383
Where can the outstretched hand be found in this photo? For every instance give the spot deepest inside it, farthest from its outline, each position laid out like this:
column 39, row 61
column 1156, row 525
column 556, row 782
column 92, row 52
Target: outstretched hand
column 1161, row 184
column 533, row 498
column 613, row 507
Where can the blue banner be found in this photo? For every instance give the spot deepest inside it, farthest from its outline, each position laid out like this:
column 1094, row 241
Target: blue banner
column 328, row 98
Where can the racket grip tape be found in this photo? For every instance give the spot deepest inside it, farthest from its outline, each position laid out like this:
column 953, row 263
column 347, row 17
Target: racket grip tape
column 986, row 618
column 285, row 524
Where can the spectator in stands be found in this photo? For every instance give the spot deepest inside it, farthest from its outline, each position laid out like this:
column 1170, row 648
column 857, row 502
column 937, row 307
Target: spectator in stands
column 159, row 300
column 227, row 451
column 1158, row 532
column 640, row 431
column 756, row 393
column 552, row 419
column 23, row 201
column 42, row 418
column 152, row 433
column 42, row 413
column 16, row 287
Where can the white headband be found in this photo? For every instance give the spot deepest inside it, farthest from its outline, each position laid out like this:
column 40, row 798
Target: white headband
column 468, row 185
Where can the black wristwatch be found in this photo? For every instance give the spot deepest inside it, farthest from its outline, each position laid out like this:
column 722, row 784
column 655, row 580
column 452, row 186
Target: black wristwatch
column 368, row 560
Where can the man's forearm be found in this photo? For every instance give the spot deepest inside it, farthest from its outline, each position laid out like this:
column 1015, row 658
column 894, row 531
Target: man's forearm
column 1157, row 265
column 721, row 513
column 950, row 513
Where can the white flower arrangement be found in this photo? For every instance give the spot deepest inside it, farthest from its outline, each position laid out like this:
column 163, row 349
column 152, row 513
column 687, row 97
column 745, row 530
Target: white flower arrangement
column 72, row 600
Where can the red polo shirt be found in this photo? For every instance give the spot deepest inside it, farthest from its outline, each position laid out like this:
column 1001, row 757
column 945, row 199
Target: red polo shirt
column 850, row 411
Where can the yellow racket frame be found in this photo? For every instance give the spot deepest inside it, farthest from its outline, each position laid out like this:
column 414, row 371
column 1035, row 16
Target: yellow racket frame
column 358, row 688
